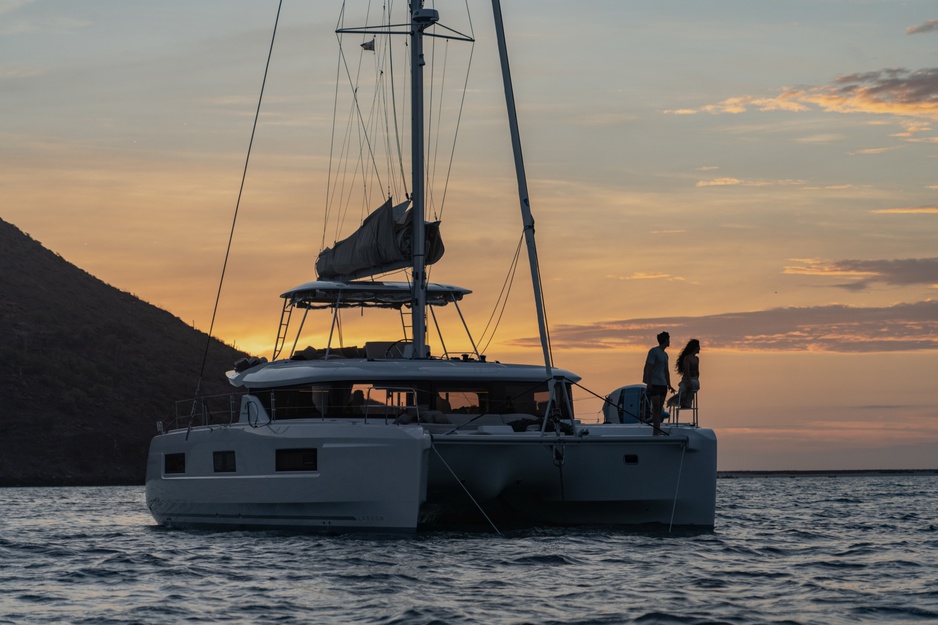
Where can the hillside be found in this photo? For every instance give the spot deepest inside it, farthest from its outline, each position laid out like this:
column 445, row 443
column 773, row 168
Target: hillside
column 86, row 371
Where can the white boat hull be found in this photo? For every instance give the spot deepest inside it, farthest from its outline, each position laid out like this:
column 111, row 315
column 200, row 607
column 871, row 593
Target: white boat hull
column 378, row 477
column 616, row 475
column 366, row 478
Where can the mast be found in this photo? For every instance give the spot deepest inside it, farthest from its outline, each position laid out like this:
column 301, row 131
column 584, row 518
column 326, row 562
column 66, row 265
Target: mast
column 526, row 216
column 421, row 18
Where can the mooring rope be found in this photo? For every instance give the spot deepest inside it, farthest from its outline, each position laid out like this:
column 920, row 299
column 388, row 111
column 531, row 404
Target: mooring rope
column 677, row 486
column 459, row 481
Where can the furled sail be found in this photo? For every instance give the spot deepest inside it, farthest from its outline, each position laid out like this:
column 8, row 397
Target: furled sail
column 383, row 243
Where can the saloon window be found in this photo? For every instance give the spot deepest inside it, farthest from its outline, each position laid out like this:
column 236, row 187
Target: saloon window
column 297, row 459
column 174, row 463
column 224, row 461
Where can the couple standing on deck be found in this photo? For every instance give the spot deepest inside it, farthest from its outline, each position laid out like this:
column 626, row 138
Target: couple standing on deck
column 657, row 377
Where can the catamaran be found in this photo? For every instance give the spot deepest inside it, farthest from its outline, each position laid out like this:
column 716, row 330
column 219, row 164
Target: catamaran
column 388, row 436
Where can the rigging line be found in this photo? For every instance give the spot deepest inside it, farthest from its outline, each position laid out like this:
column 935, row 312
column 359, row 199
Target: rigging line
column 382, row 79
column 338, row 202
column 350, row 167
column 391, row 134
column 361, row 120
column 374, row 123
column 605, row 401
column 367, row 131
column 506, row 290
column 452, row 155
column 397, row 130
column 472, row 32
column 234, row 220
column 383, row 87
column 337, row 199
column 335, row 114
column 346, row 192
column 434, row 137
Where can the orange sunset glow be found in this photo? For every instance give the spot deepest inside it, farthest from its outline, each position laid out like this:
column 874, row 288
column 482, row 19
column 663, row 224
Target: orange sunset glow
column 759, row 176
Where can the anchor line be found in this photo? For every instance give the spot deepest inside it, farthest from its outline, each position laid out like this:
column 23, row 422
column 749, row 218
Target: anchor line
column 677, row 486
column 460, row 482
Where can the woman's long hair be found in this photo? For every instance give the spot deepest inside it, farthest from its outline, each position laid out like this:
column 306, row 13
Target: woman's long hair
column 692, row 347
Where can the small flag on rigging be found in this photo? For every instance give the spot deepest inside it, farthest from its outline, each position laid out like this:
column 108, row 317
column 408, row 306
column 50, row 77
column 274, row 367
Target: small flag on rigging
column 369, row 45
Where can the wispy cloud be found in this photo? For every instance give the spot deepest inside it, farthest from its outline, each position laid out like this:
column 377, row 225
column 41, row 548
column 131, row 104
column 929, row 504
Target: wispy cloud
column 834, row 328
column 915, row 210
column 650, row 276
column 926, row 27
column 49, row 23
column 833, row 187
column 11, row 5
column 719, row 182
column 892, row 91
column 733, row 182
column 21, row 72
column 901, row 272
column 822, row 138
column 870, row 151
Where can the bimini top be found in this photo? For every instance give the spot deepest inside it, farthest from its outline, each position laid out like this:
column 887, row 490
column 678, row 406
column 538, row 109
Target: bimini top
column 315, row 295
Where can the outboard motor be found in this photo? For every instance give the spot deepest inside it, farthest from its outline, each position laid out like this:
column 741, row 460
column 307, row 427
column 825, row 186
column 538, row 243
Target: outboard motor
column 629, row 404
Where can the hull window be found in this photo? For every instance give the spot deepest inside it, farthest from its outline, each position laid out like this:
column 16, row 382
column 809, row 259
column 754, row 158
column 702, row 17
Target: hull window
column 224, row 461
column 174, row 463
column 297, row 460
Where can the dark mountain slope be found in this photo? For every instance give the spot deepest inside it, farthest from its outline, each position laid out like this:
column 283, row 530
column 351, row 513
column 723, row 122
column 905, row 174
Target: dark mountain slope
column 86, row 371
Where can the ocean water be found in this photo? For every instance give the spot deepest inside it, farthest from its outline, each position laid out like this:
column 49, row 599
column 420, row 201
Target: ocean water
column 785, row 550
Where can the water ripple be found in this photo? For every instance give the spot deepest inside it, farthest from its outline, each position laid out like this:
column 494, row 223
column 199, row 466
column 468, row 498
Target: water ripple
column 806, row 551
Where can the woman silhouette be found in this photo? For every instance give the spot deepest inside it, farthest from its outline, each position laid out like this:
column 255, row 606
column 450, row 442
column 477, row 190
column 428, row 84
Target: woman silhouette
column 688, row 365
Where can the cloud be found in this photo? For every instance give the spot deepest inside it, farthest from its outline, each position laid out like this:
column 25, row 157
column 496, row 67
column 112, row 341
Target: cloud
column 822, row 138
column 833, row 328
column 650, row 276
column 893, row 91
column 913, row 128
column 7, row 6
column 733, row 182
column 925, row 27
column 869, row 151
column 49, row 23
column 917, row 210
column 21, row 72
column 902, row 272
column 719, row 182
column 833, row 187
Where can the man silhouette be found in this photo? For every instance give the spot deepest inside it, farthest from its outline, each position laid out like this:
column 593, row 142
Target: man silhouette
column 657, row 378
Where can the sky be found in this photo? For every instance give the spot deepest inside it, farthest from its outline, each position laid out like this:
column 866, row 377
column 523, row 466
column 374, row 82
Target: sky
column 759, row 175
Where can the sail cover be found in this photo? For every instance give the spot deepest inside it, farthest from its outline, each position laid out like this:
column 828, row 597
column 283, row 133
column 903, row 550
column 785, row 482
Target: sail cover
column 383, row 243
